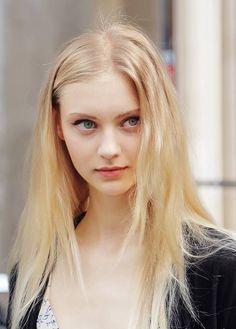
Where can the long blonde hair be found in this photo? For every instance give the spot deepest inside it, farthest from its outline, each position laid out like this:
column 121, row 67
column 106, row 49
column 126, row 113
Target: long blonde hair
column 166, row 204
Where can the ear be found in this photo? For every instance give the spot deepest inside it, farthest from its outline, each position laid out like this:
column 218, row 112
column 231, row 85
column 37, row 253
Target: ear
column 57, row 121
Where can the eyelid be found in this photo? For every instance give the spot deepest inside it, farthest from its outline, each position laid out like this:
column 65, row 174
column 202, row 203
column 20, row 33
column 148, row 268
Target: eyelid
column 131, row 117
column 85, row 130
column 76, row 122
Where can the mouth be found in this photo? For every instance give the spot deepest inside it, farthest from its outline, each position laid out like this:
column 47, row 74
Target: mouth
column 111, row 172
column 116, row 168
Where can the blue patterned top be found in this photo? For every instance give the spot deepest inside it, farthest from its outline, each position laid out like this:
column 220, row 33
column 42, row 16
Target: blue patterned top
column 46, row 318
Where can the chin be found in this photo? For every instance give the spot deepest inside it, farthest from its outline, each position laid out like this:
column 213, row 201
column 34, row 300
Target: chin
column 114, row 193
column 114, row 190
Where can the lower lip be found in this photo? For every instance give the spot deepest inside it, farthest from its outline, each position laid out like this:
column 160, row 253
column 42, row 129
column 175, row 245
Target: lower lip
column 111, row 173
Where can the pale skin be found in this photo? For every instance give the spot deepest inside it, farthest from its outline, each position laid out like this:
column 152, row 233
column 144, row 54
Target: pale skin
column 111, row 138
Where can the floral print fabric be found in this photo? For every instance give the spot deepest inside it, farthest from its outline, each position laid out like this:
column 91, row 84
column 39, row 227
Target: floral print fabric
column 46, row 319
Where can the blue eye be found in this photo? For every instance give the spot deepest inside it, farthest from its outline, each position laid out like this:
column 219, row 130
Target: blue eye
column 132, row 121
column 86, row 124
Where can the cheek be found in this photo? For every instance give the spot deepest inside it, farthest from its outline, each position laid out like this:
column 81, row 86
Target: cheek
column 78, row 151
column 135, row 147
column 131, row 150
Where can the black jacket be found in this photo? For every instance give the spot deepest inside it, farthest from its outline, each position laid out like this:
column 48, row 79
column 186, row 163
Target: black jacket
column 212, row 287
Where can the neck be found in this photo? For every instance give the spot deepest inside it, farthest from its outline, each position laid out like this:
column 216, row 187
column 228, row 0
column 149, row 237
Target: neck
column 107, row 220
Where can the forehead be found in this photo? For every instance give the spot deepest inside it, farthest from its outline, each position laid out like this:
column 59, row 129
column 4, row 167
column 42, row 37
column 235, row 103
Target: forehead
column 112, row 91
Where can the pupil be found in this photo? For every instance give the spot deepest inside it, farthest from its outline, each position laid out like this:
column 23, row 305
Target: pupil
column 88, row 124
column 132, row 121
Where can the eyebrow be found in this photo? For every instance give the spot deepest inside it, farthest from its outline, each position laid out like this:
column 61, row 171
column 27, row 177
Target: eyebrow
column 82, row 115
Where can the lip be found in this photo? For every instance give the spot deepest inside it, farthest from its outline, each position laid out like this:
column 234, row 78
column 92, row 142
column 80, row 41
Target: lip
column 111, row 171
column 110, row 168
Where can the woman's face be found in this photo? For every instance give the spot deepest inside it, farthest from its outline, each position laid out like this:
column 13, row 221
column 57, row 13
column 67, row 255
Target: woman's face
column 100, row 125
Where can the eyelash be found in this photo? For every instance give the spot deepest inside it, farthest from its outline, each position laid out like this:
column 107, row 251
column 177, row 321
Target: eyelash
column 77, row 122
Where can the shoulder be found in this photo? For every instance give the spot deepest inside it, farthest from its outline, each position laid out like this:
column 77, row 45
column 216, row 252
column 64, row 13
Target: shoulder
column 216, row 256
column 211, row 278
column 217, row 251
column 219, row 266
column 30, row 318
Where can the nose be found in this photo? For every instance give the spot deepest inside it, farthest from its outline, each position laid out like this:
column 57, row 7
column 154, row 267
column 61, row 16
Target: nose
column 109, row 146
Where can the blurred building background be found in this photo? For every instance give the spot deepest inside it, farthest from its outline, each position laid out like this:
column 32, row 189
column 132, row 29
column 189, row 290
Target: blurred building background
column 198, row 41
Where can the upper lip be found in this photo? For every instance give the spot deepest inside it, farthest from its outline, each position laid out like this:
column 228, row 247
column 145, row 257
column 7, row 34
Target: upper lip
column 110, row 168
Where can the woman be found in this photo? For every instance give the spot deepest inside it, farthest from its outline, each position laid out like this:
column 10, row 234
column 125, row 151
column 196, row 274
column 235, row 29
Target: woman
column 113, row 234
